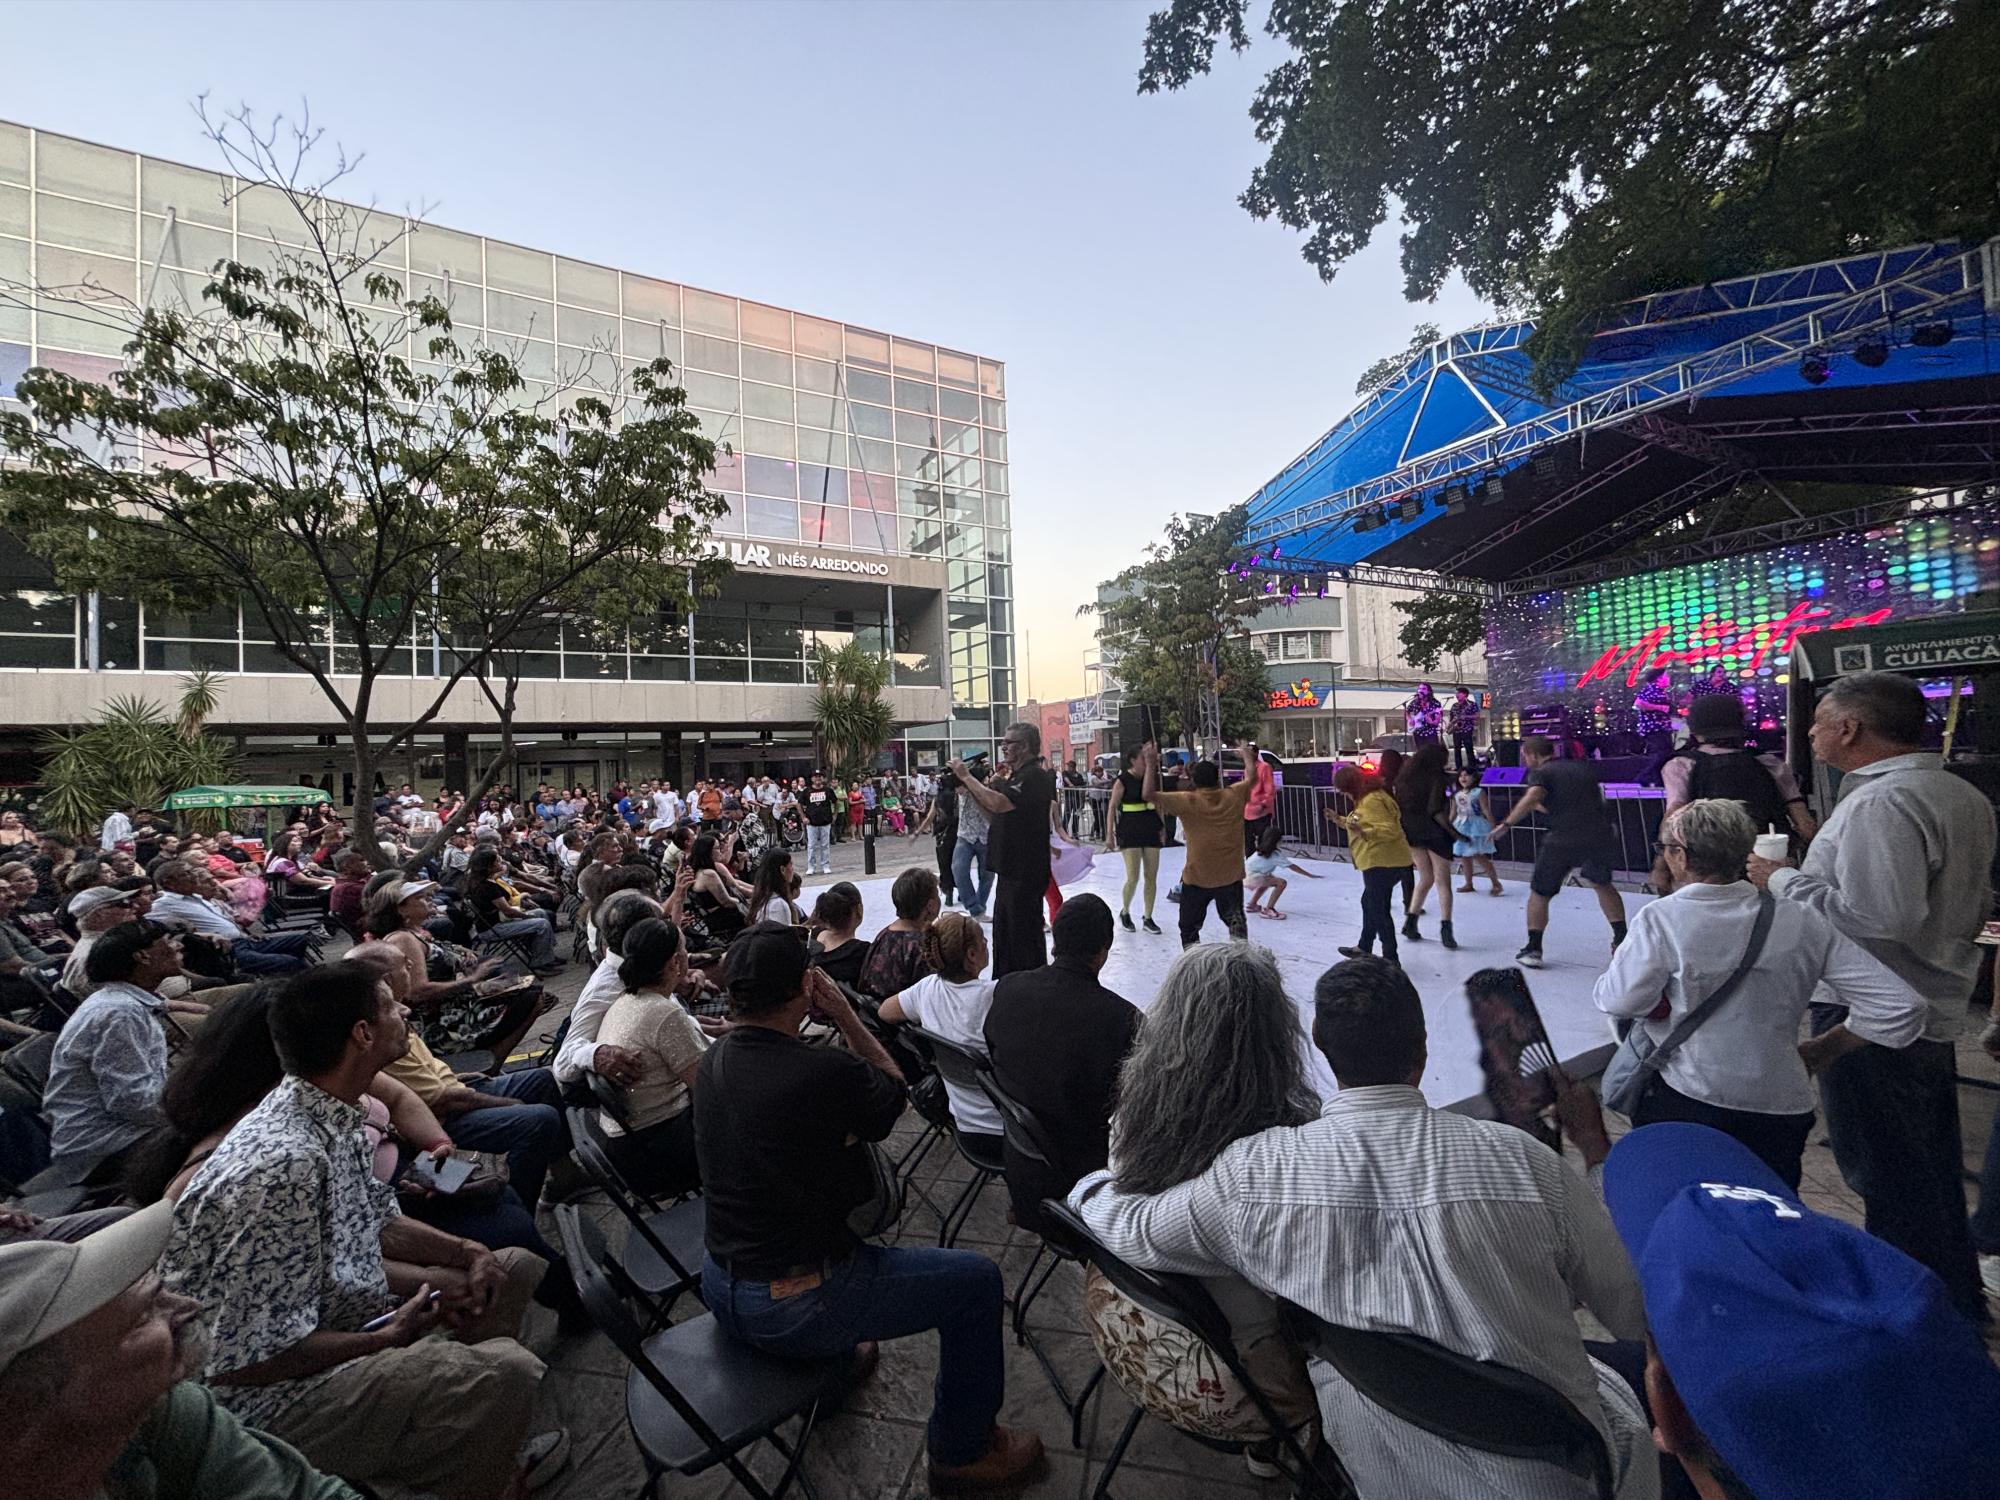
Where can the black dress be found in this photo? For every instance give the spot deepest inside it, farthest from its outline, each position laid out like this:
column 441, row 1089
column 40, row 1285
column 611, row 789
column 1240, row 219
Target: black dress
column 1136, row 830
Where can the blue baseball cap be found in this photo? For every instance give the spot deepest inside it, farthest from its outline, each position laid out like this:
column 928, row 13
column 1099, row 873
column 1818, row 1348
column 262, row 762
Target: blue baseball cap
column 1816, row 1359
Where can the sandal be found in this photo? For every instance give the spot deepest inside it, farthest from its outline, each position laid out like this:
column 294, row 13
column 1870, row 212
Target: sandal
column 1276, row 916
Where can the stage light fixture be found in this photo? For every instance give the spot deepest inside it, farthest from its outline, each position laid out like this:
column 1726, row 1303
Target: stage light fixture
column 1270, row 585
column 1931, row 335
column 1814, row 370
column 1493, row 491
column 1276, row 553
column 1413, row 505
column 1872, row 352
column 1454, row 499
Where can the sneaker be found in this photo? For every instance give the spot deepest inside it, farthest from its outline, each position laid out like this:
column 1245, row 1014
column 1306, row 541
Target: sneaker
column 1259, row 1466
column 1012, row 1456
column 1529, row 957
column 1151, row 926
column 542, row 1457
column 1356, row 953
column 1125, row 921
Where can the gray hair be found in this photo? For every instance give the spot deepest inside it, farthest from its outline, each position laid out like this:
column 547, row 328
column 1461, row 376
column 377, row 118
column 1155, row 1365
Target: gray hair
column 1219, row 1057
column 1888, row 706
column 621, row 912
column 174, row 873
column 1716, row 836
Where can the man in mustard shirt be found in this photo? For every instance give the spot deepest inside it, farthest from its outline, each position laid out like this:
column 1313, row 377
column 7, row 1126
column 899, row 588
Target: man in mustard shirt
column 1212, row 822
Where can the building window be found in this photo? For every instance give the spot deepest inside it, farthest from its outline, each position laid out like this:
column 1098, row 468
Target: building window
column 1298, row 645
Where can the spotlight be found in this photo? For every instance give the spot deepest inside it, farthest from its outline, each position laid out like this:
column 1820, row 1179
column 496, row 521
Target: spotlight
column 1270, row 585
column 1413, row 505
column 1814, row 369
column 1454, row 499
column 1276, row 552
column 1931, row 335
column 1365, row 521
column 1872, row 352
column 1493, row 491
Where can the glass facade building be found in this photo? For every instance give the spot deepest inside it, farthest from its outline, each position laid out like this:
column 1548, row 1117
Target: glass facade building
column 845, row 440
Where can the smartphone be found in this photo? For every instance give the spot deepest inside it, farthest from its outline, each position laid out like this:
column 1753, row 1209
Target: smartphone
column 374, row 1325
column 448, row 1178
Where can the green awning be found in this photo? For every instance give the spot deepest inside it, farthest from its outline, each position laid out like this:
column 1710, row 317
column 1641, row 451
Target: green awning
column 1934, row 646
column 245, row 796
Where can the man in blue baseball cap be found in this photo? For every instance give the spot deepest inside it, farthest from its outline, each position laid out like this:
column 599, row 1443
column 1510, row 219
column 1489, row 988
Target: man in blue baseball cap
column 1793, row 1357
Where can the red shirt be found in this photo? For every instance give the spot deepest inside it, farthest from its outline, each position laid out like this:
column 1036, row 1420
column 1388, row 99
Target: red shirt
column 1263, row 792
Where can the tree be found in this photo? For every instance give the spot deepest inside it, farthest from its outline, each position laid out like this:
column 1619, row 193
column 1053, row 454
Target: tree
column 851, row 719
column 1439, row 625
column 1564, row 158
column 1174, row 622
column 316, row 440
column 134, row 754
column 1421, row 338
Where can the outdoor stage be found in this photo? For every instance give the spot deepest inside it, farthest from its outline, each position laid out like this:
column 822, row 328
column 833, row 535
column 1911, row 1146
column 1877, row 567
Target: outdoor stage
column 1326, row 913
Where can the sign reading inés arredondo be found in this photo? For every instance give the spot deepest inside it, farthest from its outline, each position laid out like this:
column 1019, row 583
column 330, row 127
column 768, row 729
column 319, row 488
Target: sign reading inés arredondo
column 767, row 555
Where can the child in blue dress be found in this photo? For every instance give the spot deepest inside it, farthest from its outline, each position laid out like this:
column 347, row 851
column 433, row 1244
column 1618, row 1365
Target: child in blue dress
column 1474, row 826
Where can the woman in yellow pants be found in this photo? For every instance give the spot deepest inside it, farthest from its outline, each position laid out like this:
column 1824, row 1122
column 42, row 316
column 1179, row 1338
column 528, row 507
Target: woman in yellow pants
column 1134, row 828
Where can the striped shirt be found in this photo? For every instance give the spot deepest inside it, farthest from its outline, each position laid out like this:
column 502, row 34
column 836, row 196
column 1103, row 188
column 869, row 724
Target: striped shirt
column 1387, row 1214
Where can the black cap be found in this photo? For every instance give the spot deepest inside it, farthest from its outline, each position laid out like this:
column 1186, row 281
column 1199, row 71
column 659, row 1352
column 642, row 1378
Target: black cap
column 767, row 964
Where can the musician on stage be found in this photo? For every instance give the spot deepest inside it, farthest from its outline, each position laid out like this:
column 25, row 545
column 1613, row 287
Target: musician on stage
column 1464, row 730
column 1653, row 714
column 1425, row 717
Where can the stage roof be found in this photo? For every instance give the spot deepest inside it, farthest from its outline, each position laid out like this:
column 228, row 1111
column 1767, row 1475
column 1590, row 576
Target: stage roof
column 1455, row 465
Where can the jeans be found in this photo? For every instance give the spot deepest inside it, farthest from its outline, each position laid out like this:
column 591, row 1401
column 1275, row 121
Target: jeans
column 531, row 1133
column 818, row 861
column 535, row 932
column 1893, row 1116
column 1463, row 756
column 962, row 855
column 280, row 953
column 883, row 1293
column 1377, row 920
column 1018, row 943
column 1228, row 901
column 1779, row 1141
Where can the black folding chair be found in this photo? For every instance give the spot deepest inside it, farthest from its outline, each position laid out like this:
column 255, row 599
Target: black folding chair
column 664, row 1246
column 1028, row 1136
column 959, row 1065
column 1186, row 1301
column 695, row 1397
column 1472, row 1402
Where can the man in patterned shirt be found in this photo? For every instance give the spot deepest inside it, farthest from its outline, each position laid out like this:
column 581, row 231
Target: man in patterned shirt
column 283, row 1236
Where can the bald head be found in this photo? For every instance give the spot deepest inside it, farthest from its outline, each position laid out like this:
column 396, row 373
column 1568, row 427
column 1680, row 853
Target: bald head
column 387, row 961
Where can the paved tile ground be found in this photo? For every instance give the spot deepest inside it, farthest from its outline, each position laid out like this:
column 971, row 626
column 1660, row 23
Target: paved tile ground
column 872, row 1448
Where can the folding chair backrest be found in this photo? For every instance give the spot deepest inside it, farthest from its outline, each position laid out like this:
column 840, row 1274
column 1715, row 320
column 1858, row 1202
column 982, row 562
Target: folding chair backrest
column 1179, row 1298
column 587, row 1140
column 954, row 1061
column 1025, row 1133
column 1472, row 1402
column 602, row 1287
column 610, row 1098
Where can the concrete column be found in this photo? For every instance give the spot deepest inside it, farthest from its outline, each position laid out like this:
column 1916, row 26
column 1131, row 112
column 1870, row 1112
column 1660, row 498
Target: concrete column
column 457, row 765
column 670, row 756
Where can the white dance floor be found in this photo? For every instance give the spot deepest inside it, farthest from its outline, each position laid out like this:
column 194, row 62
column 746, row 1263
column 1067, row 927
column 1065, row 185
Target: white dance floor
column 1321, row 915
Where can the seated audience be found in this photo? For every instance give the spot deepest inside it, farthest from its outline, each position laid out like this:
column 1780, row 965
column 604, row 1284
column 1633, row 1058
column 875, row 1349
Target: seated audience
column 344, row 897
column 497, row 912
column 180, row 905
column 110, row 1061
column 1386, row 1213
column 518, row 1114
column 289, row 864
column 1057, row 1038
column 1743, row 1071
column 780, row 1128
column 836, row 918
column 952, row 1001
column 581, row 1052
column 1793, row 1357
column 773, row 889
column 896, row 958
column 716, row 896
column 452, row 1015
column 284, row 1237
column 95, row 1364
column 651, row 1135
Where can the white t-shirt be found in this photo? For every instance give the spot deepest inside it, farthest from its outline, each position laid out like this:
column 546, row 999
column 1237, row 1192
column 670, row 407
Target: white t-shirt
column 779, row 909
column 768, row 794
column 957, row 1012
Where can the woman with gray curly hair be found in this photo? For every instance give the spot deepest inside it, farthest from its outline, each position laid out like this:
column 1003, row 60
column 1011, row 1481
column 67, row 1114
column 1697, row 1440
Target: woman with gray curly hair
column 1220, row 1056
column 1744, row 1071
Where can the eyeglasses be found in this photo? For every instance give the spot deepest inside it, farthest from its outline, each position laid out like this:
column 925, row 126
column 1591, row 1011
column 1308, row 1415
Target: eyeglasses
column 1661, row 846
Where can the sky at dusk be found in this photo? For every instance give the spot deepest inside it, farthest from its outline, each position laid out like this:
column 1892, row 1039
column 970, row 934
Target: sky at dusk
column 981, row 175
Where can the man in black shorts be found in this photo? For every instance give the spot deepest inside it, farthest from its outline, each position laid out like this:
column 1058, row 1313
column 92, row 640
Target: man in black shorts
column 1580, row 838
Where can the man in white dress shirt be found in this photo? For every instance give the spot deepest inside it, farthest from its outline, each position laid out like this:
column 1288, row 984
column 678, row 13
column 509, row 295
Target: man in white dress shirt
column 1387, row 1214
column 117, row 827
column 1904, row 868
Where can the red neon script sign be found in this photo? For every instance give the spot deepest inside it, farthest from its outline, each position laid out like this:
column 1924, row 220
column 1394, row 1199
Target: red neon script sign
column 1714, row 639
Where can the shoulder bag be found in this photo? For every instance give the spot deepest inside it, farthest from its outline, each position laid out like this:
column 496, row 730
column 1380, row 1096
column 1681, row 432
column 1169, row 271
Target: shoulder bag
column 1639, row 1058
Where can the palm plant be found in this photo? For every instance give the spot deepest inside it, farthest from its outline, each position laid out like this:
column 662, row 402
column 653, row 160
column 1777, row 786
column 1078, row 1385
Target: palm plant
column 851, row 718
column 134, row 753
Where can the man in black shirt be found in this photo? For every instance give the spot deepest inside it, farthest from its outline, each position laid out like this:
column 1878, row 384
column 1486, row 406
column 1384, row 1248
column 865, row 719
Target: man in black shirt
column 780, row 1129
column 1056, row 1037
column 1019, row 798
column 1580, row 838
column 818, row 806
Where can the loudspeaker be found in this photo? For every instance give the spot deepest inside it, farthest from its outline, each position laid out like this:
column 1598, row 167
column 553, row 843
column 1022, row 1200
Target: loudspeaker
column 1137, row 723
column 1506, row 752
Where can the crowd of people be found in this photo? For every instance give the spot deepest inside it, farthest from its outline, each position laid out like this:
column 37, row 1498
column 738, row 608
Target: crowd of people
column 265, row 1283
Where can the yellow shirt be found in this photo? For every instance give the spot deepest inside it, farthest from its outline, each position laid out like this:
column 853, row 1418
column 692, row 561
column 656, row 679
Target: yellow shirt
column 1377, row 830
column 420, row 1071
column 1212, row 824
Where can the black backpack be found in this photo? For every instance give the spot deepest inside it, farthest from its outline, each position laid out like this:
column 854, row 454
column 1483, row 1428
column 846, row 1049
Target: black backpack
column 1740, row 776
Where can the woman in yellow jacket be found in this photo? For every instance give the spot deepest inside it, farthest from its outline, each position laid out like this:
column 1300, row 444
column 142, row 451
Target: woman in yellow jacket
column 1380, row 853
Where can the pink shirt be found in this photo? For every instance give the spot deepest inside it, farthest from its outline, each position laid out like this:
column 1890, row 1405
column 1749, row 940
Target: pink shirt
column 1263, row 792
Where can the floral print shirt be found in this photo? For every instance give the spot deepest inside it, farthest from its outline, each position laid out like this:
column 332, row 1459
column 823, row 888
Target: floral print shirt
column 279, row 1234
